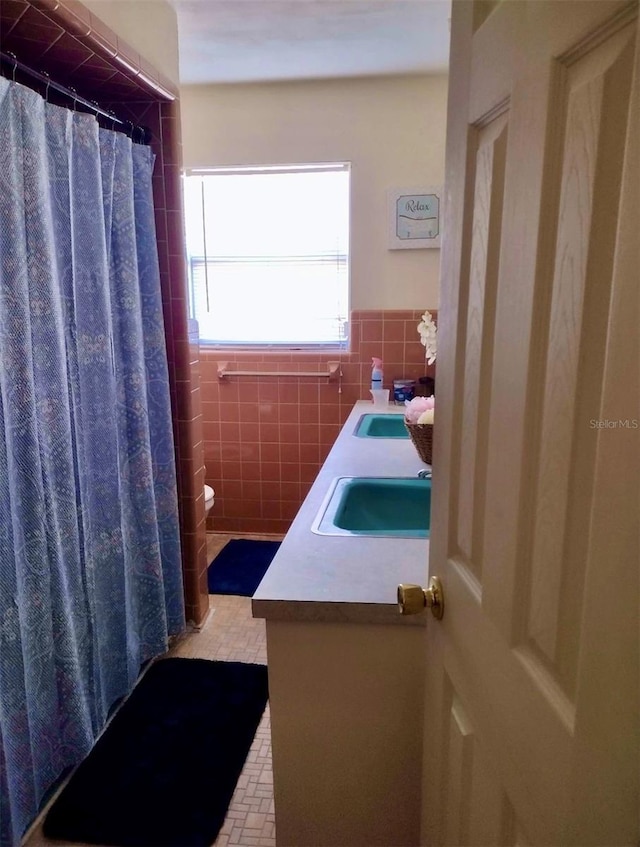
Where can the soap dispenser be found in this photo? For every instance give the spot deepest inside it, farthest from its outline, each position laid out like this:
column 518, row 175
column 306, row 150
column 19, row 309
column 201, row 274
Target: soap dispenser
column 376, row 373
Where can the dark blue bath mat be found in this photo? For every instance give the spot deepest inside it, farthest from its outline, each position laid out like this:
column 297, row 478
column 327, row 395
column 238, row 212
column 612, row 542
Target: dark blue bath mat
column 240, row 565
column 165, row 769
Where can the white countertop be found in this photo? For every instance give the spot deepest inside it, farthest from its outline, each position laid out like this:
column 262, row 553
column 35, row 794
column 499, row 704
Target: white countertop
column 346, row 578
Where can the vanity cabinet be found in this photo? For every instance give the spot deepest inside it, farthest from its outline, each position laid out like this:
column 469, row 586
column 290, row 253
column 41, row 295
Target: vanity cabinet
column 346, row 670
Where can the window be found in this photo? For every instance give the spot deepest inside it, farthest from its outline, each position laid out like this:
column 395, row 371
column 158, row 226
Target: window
column 268, row 252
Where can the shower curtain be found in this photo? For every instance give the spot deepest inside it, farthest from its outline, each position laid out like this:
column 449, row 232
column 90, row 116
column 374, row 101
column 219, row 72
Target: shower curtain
column 90, row 572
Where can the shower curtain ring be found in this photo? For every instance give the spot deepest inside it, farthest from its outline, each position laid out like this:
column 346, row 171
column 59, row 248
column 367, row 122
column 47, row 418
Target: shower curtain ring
column 15, row 65
column 73, row 93
column 46, row 91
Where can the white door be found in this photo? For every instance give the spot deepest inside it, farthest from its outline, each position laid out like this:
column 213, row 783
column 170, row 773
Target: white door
column 531, row 732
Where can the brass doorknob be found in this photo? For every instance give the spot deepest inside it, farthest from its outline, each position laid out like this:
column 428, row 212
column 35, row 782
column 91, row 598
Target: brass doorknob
column 412, row 599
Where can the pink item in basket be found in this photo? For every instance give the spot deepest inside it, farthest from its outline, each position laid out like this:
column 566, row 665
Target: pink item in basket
column 414, row 408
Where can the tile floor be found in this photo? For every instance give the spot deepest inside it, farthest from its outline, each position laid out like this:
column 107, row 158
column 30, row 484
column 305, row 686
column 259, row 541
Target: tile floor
column 229, row 634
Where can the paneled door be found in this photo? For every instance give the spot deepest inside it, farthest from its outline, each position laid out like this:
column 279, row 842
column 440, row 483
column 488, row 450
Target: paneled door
column 531, row 729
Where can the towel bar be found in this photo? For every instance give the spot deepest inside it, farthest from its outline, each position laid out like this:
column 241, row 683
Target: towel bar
column 332, row 372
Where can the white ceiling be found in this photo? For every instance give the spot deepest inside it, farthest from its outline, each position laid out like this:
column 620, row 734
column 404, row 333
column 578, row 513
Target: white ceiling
column 259, row 40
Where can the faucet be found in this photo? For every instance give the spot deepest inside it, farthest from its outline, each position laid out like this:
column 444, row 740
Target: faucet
column 425, row 473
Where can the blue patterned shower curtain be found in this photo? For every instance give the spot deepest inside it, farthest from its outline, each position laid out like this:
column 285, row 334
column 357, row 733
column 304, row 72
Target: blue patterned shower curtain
column 90, row 573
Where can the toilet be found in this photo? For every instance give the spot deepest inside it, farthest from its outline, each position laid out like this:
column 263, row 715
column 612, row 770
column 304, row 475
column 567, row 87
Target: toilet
column 209, row 495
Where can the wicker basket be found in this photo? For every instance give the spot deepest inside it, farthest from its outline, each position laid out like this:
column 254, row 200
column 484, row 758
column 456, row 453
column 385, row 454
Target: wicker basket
column 422, row 437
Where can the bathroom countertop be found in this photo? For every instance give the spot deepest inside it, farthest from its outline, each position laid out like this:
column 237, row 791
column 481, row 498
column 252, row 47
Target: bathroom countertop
column 344, row 578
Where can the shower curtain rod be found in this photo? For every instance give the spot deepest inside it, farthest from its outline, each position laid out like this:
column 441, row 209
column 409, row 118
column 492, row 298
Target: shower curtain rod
column 128, row 127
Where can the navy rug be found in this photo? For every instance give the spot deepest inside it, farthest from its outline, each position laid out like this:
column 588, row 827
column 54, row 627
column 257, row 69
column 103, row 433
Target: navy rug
column 164, row 771
column 240, row 565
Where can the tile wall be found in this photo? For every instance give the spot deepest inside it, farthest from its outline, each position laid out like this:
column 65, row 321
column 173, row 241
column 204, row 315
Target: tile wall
column 266, row 437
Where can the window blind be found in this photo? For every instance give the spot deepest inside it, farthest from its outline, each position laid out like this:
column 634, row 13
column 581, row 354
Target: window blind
column 269, row 254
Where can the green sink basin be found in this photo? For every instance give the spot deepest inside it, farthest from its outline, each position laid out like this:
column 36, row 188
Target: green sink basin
column 384, row 506
column 381, row 426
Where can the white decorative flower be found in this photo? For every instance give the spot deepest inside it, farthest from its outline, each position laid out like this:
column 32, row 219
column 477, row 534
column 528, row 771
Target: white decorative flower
column 428, row 332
